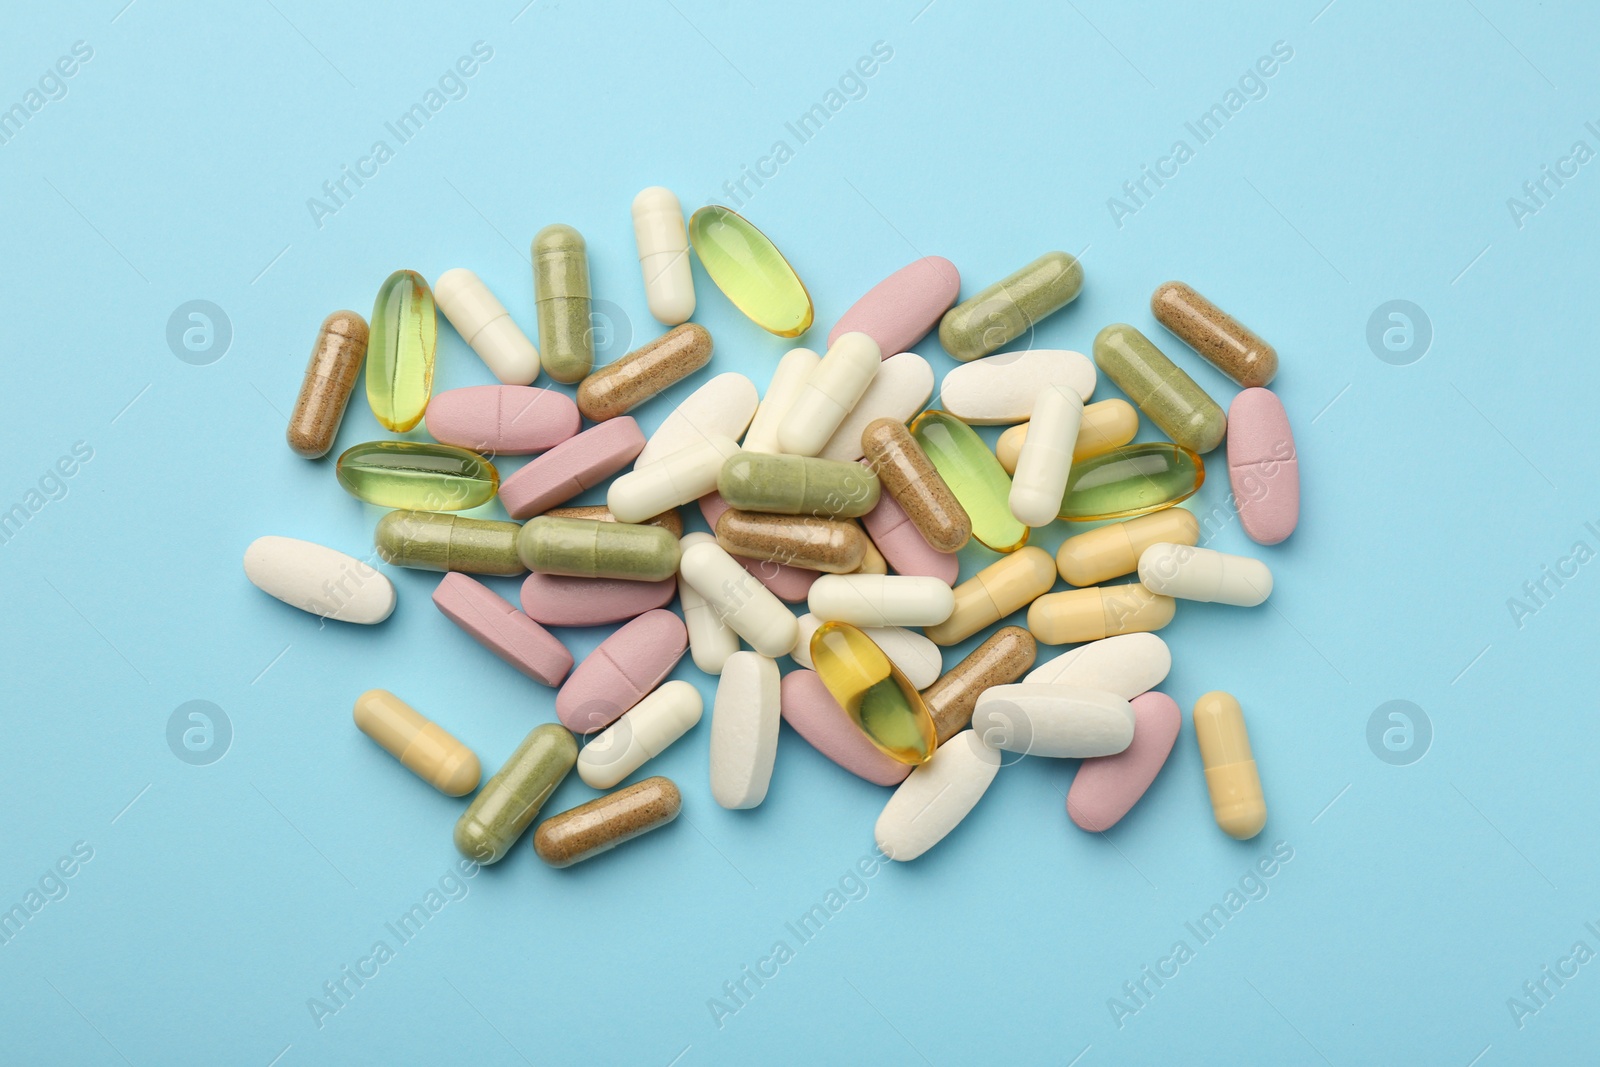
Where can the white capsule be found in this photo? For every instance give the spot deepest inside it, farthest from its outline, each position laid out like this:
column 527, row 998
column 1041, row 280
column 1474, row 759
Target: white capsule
column 881, row 599
column 485, row 324
column 1046, row 459
column 744, row 730
column 935, row 797
column 1053, row 720
column 687, row 474
column 1127, row 665
column 1003, row 388
column 918, row 658
column 902, row 386
column 787, row 379
column 833, row 387
column 723, row 405
column 711, row 641
column 642, row 734
column 319, row 579
column 739, row 599
column 1211, row 577
column 663, row 255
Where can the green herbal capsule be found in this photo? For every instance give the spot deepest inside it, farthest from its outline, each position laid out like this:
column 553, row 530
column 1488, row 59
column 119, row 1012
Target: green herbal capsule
column 1172, row 399
column 981, row 486
column 400, row 351
column 1131, row 480
column 1010, row 307
column 430, row 541
column 797, row 485
column 417, row 475
column 509, row 802
column 750, row 271
column 561, row 297
column 589, row 549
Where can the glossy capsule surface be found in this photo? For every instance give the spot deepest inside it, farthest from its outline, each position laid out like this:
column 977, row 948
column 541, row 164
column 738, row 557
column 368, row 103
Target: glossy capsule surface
column 750, row 271
column 1098, row 612
column 645, row 372
column 910, row 477
column 423, row 747
column 1222, row 340
column 417, row 475
column 561, row 298
column 584, row 548
column 400, row 351
column 873, row 692
column 1132, row 480
column 1010, row 307
column 1232, row 778
column 980, row 485
column 797, row 485
column 511, row 799
column 1003, row 658
column 435, row 541
column 1172, row 399
column 817, row 544
column 606, row 822
column 325, row 391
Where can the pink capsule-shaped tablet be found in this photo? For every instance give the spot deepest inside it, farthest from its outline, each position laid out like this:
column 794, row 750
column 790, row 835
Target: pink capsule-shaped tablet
column 806, row 705
column 1107, row 787
column 621, row 671
column 497, row 625
column 791, row 584
column 559, row 600
column 576, row 464
column 1262, row 467
column 903, row 545
column 505, row 420
column 900, row 310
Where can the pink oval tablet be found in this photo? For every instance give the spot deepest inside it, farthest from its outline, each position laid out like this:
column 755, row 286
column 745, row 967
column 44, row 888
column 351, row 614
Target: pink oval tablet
column 559, row 600
column 498, row 626
column 806, row 705
column 791, row 584
column 903, row 545
column 900, row 310
column 1262, row 466
column 621, row 671
column 506, row 420
column 576, row 464
column 1107, row 787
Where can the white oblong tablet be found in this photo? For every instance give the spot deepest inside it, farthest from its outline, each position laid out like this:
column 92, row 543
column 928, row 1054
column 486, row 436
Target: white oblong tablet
column 918, row 658
column 936, row 796
column 1002, row 388
column 724, row 405
column 744, row 730
column 787, row 378
column 687, row 474
column 711, row 641
column 881, row 599
column 485, row 324
column 1053, row 720
column 746, row 606
column 1127, row 665
column 829, row 393
column 1204, row 574
column 643, row 733
column 903, row 385
column 318, row 579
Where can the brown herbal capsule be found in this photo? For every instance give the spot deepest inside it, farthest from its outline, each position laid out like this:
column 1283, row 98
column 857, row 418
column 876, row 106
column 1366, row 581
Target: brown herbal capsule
column 330, row 375
column 670, row 521
column 1222, row 340
column 605, row 822
column 641, row 374
column 1006, row 656
column 909, row 476
column 816, row 544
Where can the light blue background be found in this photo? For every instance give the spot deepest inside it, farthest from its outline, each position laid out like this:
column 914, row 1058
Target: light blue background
column 219, row 899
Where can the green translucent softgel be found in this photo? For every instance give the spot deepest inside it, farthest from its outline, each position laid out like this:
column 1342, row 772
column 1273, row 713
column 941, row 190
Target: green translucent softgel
column 400, row 351
column 974, row 475
column 1131, row 480
column 750, row 271
column 417, row 475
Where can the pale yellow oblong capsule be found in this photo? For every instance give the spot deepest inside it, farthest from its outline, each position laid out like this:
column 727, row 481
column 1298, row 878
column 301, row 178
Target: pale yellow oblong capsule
column 1114, row 550
column 1231, row 775
column 1007, row 585
column 424, row 747
column 1106, row 425
column 1098, row 612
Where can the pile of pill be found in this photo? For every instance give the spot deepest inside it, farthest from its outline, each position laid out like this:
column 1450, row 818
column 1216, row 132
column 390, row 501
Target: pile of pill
column 838, row 490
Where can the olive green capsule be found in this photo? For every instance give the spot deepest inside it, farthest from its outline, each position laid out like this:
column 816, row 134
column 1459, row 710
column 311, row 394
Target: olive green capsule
column 431, row 541
column 1010, row 307
column 1131, row 480
column 797, row 485
column 400, row 351
column 586, row 548
column 418, row 475
column 561, row 298
column 1172, row 399
column 509, row 802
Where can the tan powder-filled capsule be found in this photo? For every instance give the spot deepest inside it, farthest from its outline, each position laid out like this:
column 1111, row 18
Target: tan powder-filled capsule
column 422, row 746
column 1231, row 775
column 1100, row 611
column 1114, row 550
column 1222, row 340
column 909, row 476
column 606, row 822
column 1106, row 425
column 816, row 544
column 645, row 372
column 330, row 376
column 1007, row 655
column 667, row 520
column 1007, row 585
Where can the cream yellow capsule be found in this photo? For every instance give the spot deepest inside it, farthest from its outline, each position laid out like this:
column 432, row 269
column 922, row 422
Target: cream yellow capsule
column 422, row 746
column 1010, row 583
column 1102, row 611
column 872, row 561
column 1106, row 425
column 1231, row 775
column 1112, row 551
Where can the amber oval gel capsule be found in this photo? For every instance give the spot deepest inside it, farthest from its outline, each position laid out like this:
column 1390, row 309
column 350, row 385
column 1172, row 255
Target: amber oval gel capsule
column 1007, row 655
column 750, row 271
column 561, row 299
column 1172, row 399
column 606, row 822
column 417, row 475
column 974, row 476
column 873, row 692
column 1132, row 480
column 1222, row 340
column 423, row 747
column 511, row 799
column 1010, row 307
column 330, row 376
column 817, row 544
column 434, row 541
column 1231, row 775
column 645, row 372
column 405, row 328
column 910, row 477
